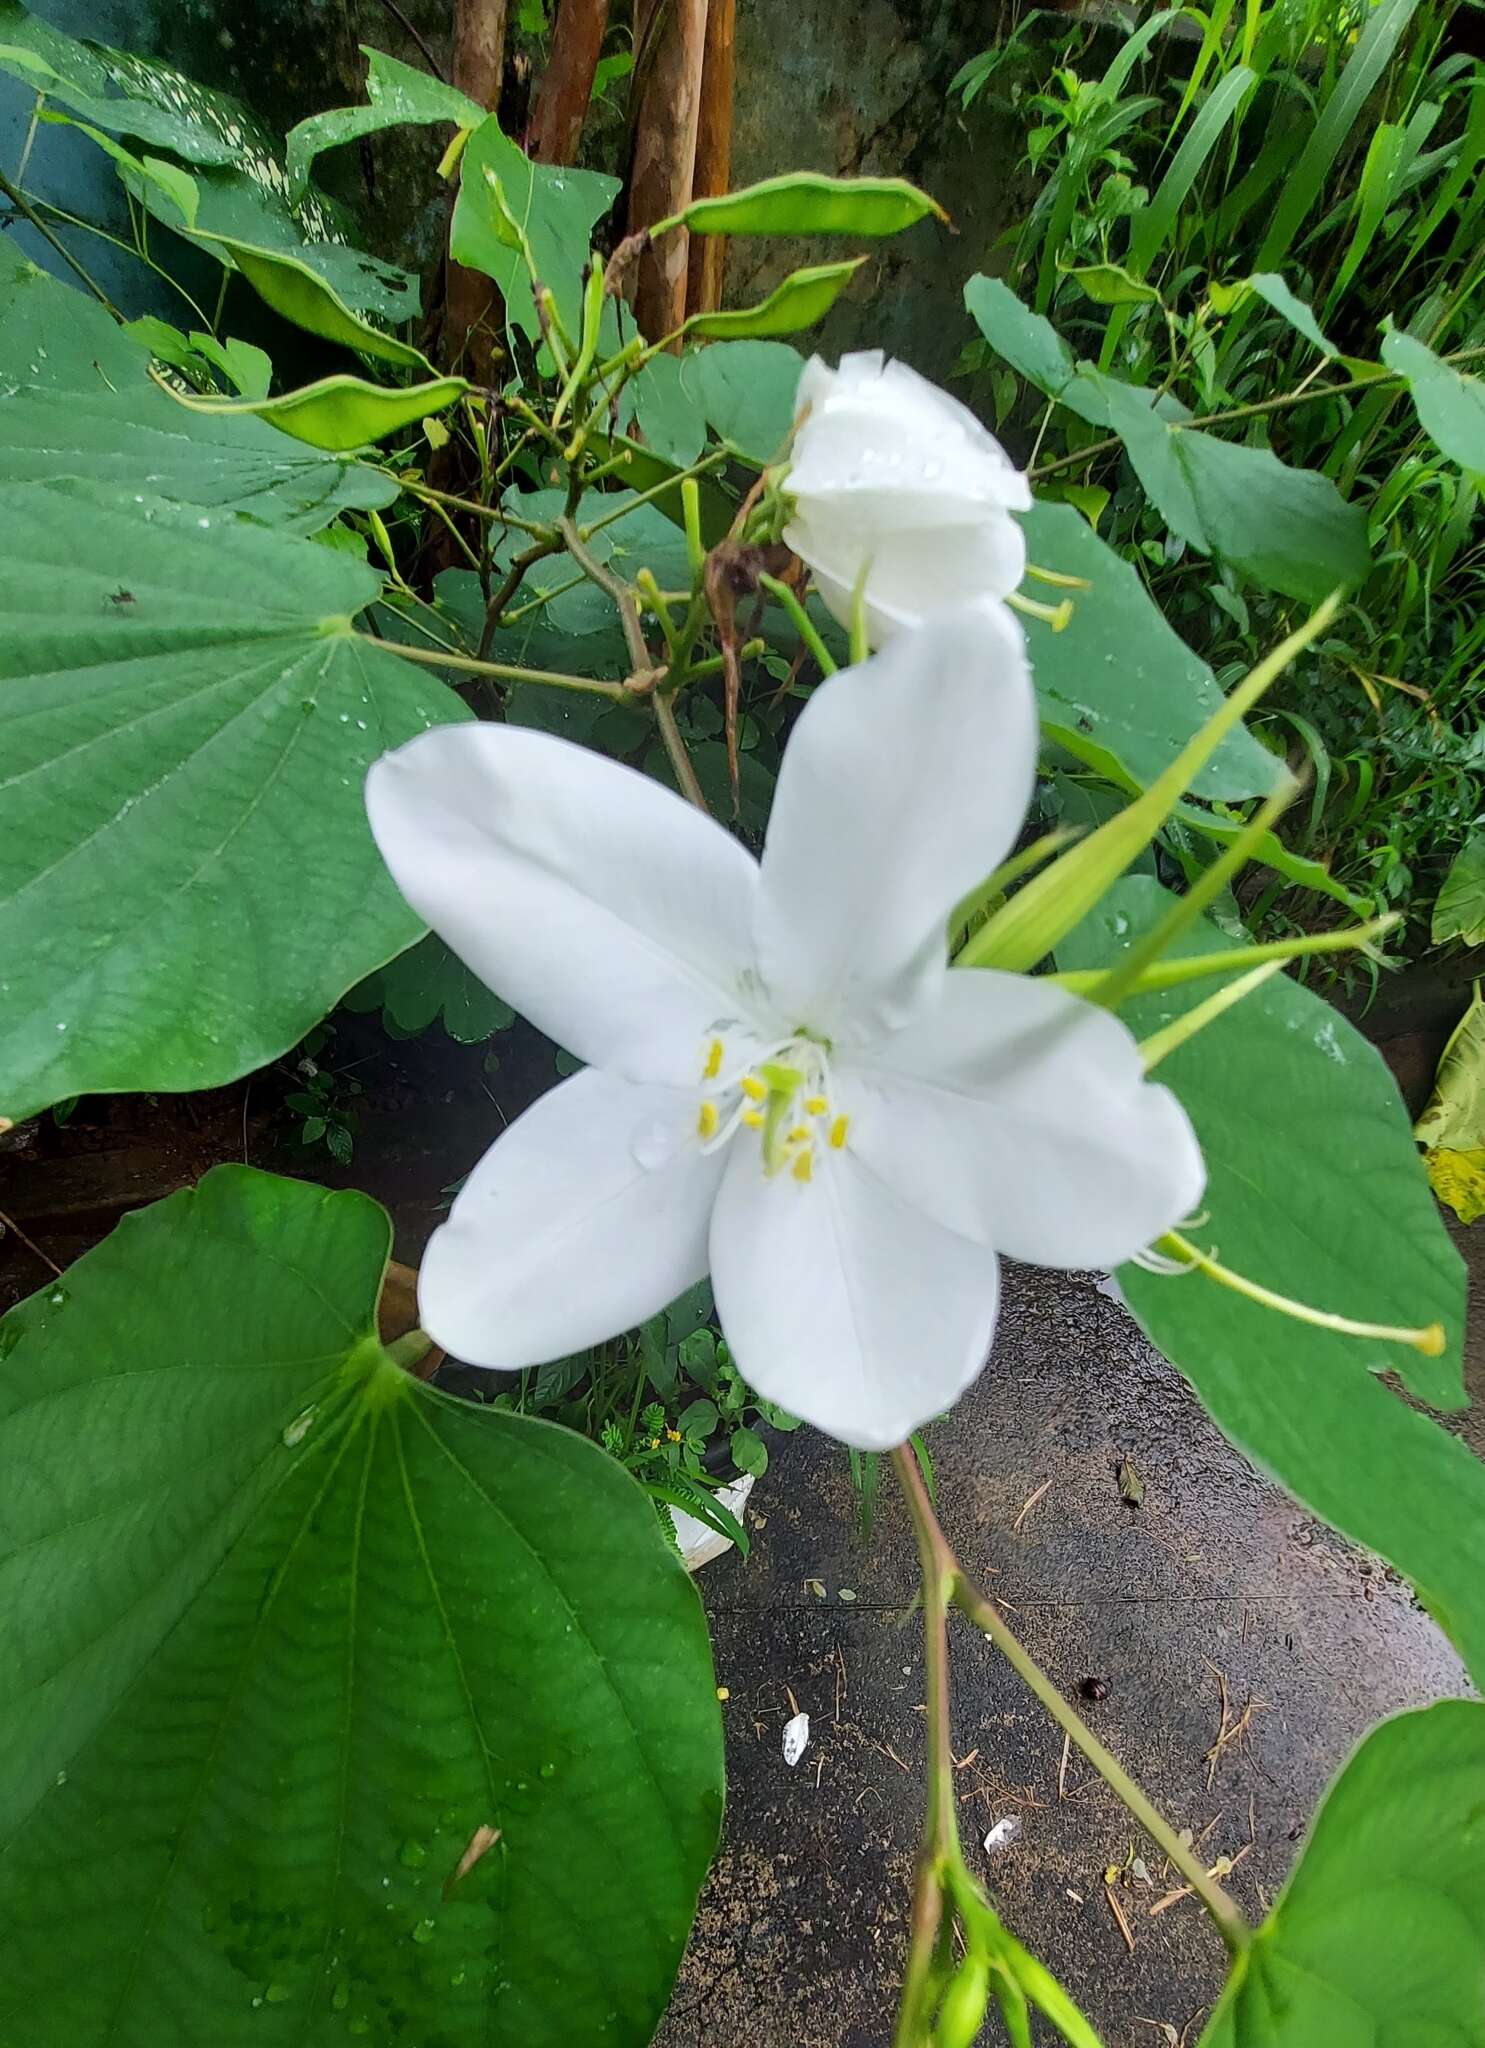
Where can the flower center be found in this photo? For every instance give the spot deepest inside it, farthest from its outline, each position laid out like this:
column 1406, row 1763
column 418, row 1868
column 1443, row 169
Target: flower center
column 783, row 1093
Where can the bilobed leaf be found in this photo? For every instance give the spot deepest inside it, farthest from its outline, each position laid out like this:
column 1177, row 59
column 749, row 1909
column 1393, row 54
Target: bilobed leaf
column 1314, row 1189
column 429, row 982
column 1288, row 529
column 1450, row 405
column 1118, row 682
column 557, row 209
column 809, row 203
column 1377, row 1935
column 187, row 879
column 143, row 443
column 1109, row 285
column 399, row 96
column 747, row 390
column 337, row 413
column 1033, row 347
column 1459, row 912
column 801, row 299
column 336, row 1708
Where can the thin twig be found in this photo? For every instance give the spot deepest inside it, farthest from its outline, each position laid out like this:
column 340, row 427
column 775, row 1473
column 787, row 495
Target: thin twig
column 675, row 748
column 9, row 1223
column 28, row 212
column 500, row 671
column 410, row 29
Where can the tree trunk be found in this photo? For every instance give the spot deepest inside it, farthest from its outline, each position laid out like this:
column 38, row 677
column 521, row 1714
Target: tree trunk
column 708, row 253
column 670, row 41
column 479, row 64
column 567, row 85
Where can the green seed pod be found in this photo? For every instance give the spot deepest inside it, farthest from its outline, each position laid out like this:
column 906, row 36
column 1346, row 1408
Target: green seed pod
column 962, row 2013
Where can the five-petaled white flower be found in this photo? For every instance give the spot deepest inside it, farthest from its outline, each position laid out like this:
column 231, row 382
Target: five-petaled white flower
column 785, row 1083
column 892, row 477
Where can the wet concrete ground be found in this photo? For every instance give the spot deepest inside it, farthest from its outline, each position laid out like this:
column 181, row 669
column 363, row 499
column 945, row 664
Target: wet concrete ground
column 1217, row 1603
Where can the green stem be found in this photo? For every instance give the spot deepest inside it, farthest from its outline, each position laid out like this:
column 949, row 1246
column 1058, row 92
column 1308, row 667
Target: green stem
column 28, row 212
column 623, row 597
column 499, row 671
column 1304, row 395
column 803, row 624
column 675, row 748
column 933, row 1545
column 498, row 513
column 643, row 497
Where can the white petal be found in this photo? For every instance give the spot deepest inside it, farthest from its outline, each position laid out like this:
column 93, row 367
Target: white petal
column 613, row 915
column 909, row 574
column 843, row 1303
column 588, row 1215
column 1019, row 1115
column 904, row 783
column 883, row 443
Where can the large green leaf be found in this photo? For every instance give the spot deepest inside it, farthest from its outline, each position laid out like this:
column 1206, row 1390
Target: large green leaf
column 666, row 415
column 53, row 337
column 187, row 880
column 1450, row 404
column 1314, row 1189
column 746, row 390
column 1118, row 681
column 141, row 440
column 1459, row 912
column 284, row 1633
column 398, row 94
column 1288, row 529
column 1377, row 1936
column 557, row 208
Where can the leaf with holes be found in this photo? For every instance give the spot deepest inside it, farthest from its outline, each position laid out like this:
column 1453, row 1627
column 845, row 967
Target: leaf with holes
column 334, row 1707
column 187, row 880
column 1378, row 1933
column 1314, row 1189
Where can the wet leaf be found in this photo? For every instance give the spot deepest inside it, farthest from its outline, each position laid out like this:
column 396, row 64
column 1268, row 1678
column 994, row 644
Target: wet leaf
column 287, row 1637
column 1377, row 1935
column 399, row 96
column 186, row 722
column 746, row 389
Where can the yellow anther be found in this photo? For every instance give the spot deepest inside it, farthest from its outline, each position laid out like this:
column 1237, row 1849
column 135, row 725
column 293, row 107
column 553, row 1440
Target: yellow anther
column 713, row 1065
column 838, row 1129
column 753, row 1088
column 707, row 1120
column 753, row 1118
column 815, row 1105
column 801, row 1135
column 804, row 1166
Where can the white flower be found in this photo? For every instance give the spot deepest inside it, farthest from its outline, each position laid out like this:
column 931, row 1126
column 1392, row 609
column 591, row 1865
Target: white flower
column 785, row 1084
column 892, row 475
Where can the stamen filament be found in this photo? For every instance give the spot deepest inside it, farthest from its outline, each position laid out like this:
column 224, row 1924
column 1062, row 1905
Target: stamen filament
column 1055, row 615
column 1429, row 1340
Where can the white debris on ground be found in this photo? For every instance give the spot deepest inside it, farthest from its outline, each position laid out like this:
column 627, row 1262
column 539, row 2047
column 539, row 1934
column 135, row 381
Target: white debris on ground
column 1003, row 1833
column 796, row 1739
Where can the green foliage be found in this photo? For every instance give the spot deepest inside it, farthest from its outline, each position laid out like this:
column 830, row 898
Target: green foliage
column 356, row 1699
column 1459, row 912
column 745, row 393
column 1382, row 1921
column 428, row 984
column 1450, row 404
column 188, row 881
column 798, row 302
column 398, row 95
column 1321, row 1198
column 555, row 210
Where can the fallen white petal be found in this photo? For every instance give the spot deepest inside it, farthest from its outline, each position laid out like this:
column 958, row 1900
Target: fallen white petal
column 796, row 1739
